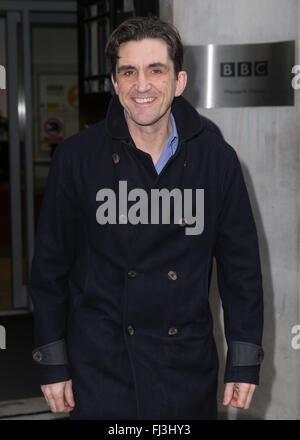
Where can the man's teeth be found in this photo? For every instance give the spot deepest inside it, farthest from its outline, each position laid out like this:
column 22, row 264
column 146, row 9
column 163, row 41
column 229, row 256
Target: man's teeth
column 141, row 100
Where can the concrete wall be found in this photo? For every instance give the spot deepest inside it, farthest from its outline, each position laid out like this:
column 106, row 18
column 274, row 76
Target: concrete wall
column 267, row 142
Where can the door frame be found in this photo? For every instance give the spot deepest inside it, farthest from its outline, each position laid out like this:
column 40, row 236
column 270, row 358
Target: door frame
column 19, row 101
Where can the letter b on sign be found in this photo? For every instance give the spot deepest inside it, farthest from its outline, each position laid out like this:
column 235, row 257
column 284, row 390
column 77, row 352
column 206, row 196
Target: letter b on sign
column 227, row 69
column 245, row 69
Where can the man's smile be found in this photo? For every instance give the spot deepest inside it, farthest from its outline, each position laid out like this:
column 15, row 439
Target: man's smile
column 143, row 101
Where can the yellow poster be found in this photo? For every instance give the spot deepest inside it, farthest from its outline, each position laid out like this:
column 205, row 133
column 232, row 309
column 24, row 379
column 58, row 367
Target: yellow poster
column 58, row 115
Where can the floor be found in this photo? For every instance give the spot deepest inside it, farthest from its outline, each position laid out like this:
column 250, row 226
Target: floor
column 34, row 408
column 20, row 393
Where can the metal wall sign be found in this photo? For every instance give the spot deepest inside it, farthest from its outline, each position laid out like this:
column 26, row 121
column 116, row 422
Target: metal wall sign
column 240, row 75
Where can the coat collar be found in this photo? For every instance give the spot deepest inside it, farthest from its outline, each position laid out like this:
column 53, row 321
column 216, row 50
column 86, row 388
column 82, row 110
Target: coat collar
column 188, row 121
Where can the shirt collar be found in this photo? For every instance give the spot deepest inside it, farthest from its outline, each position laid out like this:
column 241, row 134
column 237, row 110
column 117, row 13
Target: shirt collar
column 173, row 135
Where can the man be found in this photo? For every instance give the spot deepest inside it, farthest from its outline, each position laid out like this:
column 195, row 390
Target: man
column 119, row 280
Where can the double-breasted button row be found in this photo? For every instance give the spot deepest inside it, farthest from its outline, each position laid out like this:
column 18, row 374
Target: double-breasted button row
column 132, row 273
column 116, row 157
column 130, row 330
column 172, row 275
column 123, row 219
column 172, row 330
column 182, row 222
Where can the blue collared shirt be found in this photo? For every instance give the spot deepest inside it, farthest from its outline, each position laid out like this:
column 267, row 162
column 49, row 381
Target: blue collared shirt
column 169, row 148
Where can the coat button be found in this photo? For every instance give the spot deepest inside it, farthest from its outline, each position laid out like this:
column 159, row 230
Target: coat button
column 37, row 356
column 130, row 330
column 172, row 331
column 260, row 356
column 182, row 222
column 172, row 275
column 132, row 273
column 123, row 218
column 116, row 158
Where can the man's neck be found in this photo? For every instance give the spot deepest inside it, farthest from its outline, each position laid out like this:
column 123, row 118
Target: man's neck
column 151, row 138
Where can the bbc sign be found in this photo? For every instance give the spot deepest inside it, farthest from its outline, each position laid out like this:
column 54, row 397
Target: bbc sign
column 245, row 68
column 240, row 75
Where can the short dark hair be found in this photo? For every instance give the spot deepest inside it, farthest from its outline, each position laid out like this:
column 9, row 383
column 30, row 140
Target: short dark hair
column 139, row 28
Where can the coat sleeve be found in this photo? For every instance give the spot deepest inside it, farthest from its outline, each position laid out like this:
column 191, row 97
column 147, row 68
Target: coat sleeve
column 48, row 283
column 239, row 278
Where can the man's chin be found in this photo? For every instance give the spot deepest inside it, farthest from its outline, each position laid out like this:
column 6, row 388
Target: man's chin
column 145, row 122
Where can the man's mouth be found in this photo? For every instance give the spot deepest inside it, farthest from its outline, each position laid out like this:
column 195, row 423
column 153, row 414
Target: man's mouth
column 143, row 100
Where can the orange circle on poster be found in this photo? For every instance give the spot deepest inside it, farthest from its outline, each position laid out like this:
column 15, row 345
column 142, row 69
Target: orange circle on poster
column 73, row 97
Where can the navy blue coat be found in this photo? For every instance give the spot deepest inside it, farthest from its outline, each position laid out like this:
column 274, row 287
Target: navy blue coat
column 122, row 309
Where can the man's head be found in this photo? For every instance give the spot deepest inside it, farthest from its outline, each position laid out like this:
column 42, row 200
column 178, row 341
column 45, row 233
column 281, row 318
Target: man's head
column 140, row 28
column 146, row 57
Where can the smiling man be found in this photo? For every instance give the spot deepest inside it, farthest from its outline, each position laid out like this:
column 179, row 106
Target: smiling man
column 123, row 328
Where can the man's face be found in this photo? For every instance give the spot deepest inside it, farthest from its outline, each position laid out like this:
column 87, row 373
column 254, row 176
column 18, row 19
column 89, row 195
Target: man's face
column 145, row 80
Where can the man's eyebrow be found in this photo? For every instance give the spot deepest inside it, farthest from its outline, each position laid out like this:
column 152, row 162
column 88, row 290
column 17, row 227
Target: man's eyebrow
column 129, row 67
column 158, row 64
column 125, row 67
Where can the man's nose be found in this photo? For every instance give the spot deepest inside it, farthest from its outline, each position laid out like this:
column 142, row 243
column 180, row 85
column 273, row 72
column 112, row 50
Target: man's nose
column 143, row 84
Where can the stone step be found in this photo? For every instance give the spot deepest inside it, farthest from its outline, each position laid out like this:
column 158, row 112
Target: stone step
column 34, row 408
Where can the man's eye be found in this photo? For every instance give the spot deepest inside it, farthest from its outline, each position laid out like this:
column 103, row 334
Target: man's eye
column 156, row 71
column 128, row 72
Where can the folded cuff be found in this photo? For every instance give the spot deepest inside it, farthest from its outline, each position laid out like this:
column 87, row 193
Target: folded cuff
column 54, row 353
column 243, row 374
column 246, row 354
column 48, row 374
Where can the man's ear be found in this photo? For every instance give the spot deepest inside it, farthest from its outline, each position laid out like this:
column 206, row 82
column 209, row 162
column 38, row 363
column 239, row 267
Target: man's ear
column 181, row 82
column 115, row 84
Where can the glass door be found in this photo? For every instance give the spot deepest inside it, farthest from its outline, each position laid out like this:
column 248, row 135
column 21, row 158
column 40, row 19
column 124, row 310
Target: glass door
column 38, row 109
column 5, row 217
